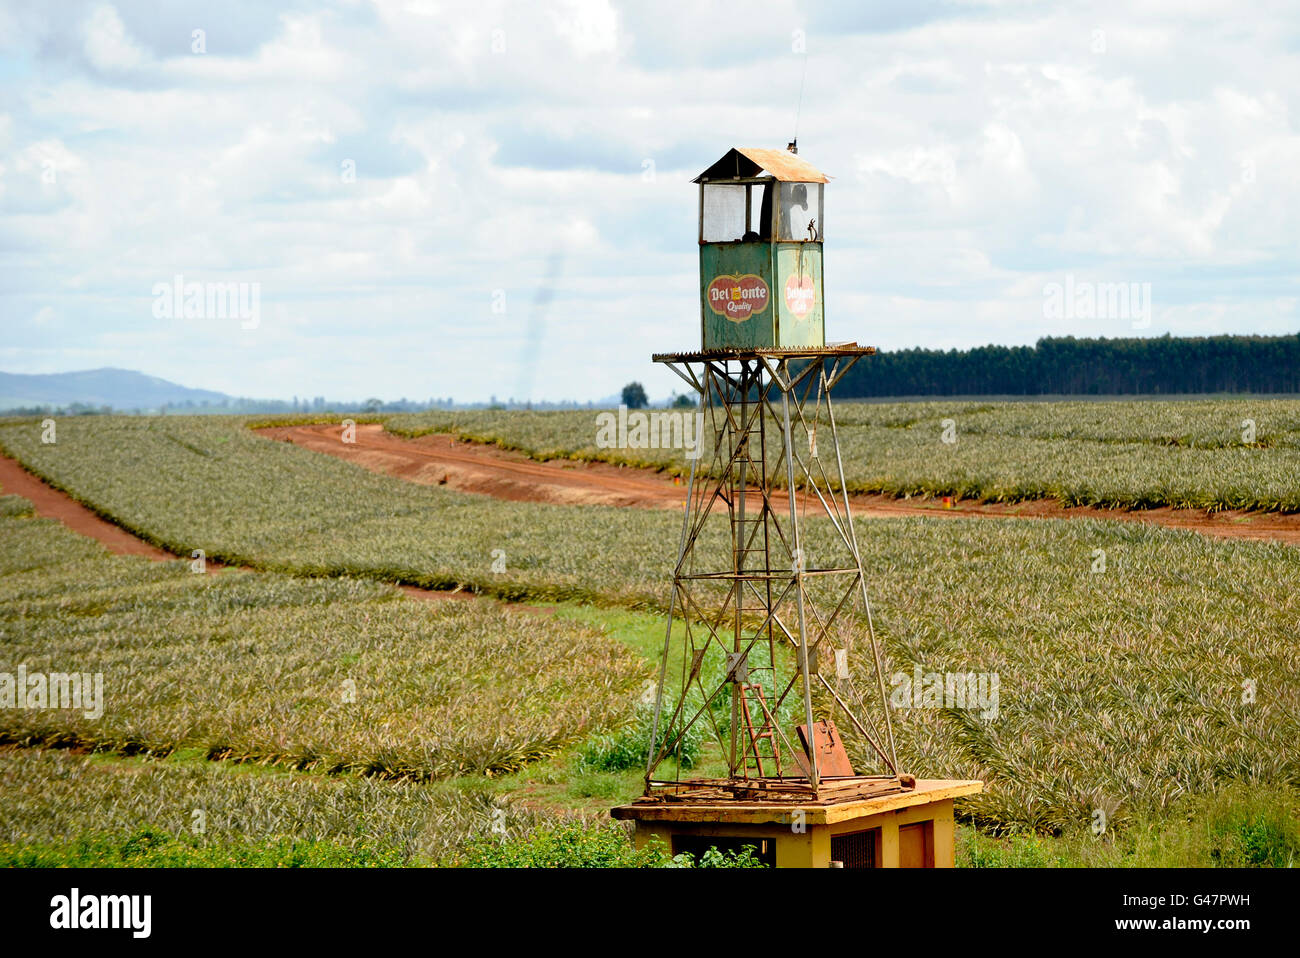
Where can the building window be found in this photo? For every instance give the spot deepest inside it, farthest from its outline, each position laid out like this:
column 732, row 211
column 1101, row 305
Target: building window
column 857, row 849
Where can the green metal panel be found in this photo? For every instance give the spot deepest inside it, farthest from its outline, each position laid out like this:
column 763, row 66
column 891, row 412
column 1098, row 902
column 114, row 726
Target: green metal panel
column 798, row 296
column 747, row 304
column 736, row 295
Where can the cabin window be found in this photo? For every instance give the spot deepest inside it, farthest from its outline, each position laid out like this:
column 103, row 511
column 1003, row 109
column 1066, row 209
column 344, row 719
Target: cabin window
column 799, row 216
column 736, row 212
column 723, row 216
column 760, row 211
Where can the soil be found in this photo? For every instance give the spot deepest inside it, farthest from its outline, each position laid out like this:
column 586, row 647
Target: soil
column 50, row 503
column 440, row 459
column 490, row 470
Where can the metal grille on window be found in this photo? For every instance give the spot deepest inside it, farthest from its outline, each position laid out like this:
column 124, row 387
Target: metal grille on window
column 857, row 850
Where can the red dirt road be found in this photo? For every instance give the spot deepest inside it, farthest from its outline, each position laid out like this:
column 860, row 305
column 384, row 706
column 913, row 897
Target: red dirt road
column 488, row 470
column 439, row 459
column 50, row 503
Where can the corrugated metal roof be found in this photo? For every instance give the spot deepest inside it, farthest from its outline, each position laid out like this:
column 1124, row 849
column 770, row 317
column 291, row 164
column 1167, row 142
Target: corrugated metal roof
column 751, row 161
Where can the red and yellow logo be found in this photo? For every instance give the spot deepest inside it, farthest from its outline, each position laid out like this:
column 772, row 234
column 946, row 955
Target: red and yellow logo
column 737, row 297
column 800, row 294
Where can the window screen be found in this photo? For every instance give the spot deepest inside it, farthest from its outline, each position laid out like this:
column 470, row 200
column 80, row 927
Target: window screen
column 800, row 212
column 724, row 213
column 858, row 849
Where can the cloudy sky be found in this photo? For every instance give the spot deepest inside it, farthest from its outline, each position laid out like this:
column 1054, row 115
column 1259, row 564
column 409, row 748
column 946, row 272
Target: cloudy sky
column 466, row 200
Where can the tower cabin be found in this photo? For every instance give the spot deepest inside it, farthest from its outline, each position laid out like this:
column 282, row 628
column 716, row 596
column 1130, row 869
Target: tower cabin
column 761, row 227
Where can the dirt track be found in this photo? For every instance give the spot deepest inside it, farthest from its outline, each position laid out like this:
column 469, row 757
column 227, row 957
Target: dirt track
column 474, row 467
column 438, row 460
column 50, row 503
column 53, row 504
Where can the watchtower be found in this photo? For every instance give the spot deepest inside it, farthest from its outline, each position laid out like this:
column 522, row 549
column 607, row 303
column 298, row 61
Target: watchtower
column 769, row 643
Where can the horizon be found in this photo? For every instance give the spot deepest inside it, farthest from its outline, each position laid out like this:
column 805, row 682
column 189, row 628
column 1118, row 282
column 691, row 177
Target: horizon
column 1097, row 368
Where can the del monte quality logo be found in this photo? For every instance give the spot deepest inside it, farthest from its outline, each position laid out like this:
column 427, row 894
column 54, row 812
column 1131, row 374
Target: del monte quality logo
column 737, row 297
column 800, row 294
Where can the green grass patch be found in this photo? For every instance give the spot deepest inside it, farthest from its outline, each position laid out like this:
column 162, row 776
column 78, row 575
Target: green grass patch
column 629, row 747
column 1238, row 827
column 585, row 845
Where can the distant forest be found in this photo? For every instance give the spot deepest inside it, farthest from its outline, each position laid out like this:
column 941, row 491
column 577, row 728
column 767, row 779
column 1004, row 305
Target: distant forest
column 1087, row 367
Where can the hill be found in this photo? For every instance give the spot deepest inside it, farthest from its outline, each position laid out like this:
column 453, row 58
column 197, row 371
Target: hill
column 122, row 389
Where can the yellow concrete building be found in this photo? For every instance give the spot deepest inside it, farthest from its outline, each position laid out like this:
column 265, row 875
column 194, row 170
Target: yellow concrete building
column 902, row 828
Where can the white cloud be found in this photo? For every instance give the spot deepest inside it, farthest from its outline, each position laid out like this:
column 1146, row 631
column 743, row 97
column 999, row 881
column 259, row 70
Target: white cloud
column 590, row 26
column 977, row 156
column 107, row 44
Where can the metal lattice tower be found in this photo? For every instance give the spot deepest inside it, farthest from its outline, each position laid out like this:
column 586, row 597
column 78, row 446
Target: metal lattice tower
column 769, row 597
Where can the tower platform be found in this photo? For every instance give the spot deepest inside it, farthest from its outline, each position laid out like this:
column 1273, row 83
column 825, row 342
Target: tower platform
column 864, row 822
column 830, row 351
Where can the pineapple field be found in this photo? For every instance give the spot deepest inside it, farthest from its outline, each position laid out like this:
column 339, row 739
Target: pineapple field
column 1211, row 454
column 1141, row 669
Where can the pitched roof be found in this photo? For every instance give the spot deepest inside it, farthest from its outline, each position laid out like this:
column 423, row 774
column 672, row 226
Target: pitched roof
column 749, row 161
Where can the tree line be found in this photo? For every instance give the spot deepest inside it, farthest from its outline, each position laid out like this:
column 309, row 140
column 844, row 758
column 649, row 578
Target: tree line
column 1091, row 367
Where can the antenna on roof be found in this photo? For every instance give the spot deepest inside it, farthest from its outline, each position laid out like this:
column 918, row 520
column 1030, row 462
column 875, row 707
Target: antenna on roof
column 794, row 140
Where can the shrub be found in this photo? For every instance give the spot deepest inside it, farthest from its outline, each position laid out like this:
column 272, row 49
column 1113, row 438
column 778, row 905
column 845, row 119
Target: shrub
column 713, row 858
column 630, row 747
column 1239, row 826
column 1252, row 827
column 578, row 844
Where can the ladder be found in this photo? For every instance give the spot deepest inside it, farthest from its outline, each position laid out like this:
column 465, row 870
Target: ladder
column 756, row 734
